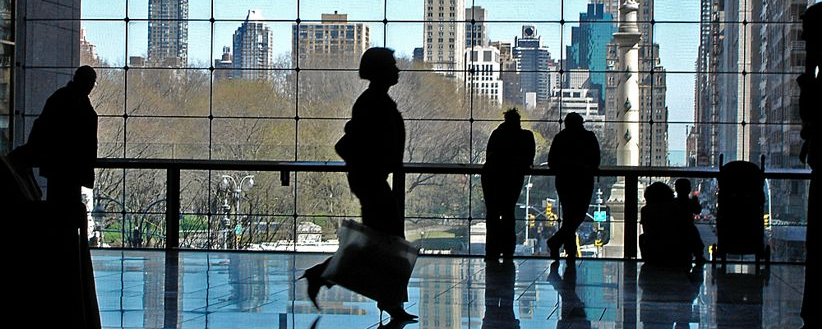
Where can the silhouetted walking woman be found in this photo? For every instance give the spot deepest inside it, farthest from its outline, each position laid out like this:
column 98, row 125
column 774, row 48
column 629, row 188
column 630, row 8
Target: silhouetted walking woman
column 574, row 154
column 372, row 148
column 509, row 153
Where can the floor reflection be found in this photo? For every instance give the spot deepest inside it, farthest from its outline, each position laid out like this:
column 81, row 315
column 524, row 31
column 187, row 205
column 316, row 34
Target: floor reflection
column 668, row 295
column 148, row 289
column 499, row 296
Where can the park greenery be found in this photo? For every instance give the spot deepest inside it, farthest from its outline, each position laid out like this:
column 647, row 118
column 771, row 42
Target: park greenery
column 289, row 115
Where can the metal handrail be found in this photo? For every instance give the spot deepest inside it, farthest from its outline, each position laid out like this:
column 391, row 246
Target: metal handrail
column 631, row 174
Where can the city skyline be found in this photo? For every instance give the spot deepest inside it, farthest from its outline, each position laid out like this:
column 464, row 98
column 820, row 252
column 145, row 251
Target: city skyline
column 504, row 23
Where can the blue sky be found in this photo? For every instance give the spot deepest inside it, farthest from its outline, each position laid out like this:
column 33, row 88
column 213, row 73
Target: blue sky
column 678, row 41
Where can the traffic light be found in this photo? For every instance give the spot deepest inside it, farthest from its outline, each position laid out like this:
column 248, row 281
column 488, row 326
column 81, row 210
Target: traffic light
column 549, row 208
column 531, row 220
column 767, row 220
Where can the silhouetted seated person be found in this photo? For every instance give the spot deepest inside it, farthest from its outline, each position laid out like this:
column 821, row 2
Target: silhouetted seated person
column 667, row 295
column 662, row 241
column 499, row 295
column 690, row 207
column 572, row 309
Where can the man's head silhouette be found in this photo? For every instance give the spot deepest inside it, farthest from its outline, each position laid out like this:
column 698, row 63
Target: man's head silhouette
column 85, row 78
column 379, row 66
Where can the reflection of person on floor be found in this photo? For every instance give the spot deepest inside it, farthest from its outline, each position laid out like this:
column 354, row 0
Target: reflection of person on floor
column 810, row 110
column 667, row 295
column 572, row 310
column 375, row 142
column 510, row 152
column 574, row 155
column 689, row 206
column 499, row 295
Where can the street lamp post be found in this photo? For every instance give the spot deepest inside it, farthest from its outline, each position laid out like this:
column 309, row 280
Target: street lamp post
column 229, row 184
column 528, row 186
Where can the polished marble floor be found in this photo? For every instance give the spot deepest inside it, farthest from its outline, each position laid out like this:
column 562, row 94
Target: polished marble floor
column 144, row 289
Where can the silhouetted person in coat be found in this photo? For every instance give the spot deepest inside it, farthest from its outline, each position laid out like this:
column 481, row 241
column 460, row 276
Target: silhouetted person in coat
column 690, row 207
column 810, row 106
column 63, row 142
column 510, row 152
column 572, row 311
column 574, row 155
column 372, row 148
column 499, row 295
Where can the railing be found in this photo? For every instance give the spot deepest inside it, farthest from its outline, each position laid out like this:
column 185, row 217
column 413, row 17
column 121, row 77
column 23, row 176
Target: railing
column 629, row 176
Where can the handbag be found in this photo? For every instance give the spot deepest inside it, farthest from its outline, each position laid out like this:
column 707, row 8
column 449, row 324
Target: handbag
column 372, row 263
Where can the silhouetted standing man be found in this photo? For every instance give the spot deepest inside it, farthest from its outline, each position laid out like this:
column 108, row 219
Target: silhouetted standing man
column 64, row 142
column 510, row 152
column 373, row 147
column 810, row 105
column 574, row 154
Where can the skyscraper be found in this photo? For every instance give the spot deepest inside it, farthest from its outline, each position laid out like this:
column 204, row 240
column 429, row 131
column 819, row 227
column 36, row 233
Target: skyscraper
column 167, row 33
column 588, row 49
column 334, row 37
column 508, row 72
column 774, row 122
column 700, row 150
column 533, row 63
column 733, row 140
column 476, row 34
column 253, row 43
column 444, row 36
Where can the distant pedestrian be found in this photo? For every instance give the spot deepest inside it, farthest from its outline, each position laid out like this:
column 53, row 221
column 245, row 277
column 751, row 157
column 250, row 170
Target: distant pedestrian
column 510, row 152
column 575, row 156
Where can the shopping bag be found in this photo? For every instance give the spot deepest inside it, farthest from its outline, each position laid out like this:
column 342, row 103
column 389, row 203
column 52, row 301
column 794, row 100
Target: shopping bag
column 371, row 263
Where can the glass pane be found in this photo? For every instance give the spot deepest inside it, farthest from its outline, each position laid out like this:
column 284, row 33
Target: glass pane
column 174, row 138
column 168, row 92
column 252, row 139
column 264, row 9
column 316, row 139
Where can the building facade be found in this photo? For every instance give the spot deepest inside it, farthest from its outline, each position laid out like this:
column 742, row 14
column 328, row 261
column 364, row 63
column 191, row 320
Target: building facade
column 588, row 49
column 484, row 78
column 253, row 54
column 533, row 63
column 333, row 38
column 167, row 33
column 476, row 33
column 444, row 36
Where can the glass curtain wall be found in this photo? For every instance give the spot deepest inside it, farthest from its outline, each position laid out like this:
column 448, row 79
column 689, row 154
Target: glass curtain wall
column 275, row 80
